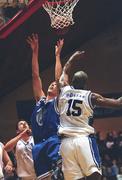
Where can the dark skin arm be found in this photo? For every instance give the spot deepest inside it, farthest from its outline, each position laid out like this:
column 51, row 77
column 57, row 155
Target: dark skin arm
column 64, row 80
column 101, row 101
column 97, row 100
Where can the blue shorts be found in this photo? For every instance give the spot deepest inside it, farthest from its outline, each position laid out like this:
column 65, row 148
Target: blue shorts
column 46, row 155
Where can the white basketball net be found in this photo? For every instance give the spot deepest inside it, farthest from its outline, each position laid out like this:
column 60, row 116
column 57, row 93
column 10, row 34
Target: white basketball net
column 60, row 13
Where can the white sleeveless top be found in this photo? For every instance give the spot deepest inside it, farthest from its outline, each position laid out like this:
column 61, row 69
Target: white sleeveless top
column 25, row 167
column 75, row 110
column 1, row 161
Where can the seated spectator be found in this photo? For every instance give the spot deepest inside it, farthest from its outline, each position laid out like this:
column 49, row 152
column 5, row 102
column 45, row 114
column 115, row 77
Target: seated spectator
column 101, row 144
column 110, row 169
column 111, row 154
column 110, row 144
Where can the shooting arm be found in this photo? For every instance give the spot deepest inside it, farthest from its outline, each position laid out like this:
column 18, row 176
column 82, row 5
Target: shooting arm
column 64, row 80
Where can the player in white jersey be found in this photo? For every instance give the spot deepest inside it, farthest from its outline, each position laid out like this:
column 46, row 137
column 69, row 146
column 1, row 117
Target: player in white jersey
column 23, row 144
column 79, row 150
column 78, row 111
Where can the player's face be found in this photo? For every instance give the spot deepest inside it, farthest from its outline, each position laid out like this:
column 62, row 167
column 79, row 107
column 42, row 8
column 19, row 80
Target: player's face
column 53, row 89
column 22, row 125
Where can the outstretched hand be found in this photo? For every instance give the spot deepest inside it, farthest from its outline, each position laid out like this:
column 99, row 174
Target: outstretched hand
column 59, row 46
column 9, row 169
column 33, row 42
column 78, row 55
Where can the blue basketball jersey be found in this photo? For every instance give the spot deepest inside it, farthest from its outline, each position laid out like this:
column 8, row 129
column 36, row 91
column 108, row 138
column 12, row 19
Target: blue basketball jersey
column 46, row 156
column 44, row 119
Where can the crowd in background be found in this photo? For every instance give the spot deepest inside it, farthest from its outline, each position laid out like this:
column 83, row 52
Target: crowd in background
column 110, row 148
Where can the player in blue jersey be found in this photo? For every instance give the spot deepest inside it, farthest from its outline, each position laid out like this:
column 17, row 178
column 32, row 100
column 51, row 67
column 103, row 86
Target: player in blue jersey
column 45, row 117
column 80, row 155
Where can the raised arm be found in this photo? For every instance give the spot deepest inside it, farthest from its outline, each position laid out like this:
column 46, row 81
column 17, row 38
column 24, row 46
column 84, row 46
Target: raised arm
column 64, row 80
column 58, row 66
column 36, row 80
column 98, row 100
column 9, row 146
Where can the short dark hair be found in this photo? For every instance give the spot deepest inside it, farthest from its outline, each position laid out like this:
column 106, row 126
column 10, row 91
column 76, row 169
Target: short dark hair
column 79, row 80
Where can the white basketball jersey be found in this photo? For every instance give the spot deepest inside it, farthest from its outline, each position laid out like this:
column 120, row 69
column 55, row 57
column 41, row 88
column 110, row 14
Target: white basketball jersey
column 75, row 112
column 25, row 167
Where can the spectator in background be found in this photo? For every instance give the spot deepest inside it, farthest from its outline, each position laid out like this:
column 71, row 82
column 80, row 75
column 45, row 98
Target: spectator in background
column 110, row 145
column 23, row 144
column 110, row 169
column 101, row 144
column 111, row 158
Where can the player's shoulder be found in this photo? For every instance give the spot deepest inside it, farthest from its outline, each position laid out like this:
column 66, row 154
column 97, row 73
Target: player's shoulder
column 66, row 88
column 85, row 92
column 72, row 89
column 42, row 99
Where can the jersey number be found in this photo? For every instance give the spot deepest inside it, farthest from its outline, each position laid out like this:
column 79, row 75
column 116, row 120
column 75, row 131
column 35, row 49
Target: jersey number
column 73, row 108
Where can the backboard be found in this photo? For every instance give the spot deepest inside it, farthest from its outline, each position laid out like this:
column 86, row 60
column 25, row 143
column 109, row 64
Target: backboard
column 19, row 18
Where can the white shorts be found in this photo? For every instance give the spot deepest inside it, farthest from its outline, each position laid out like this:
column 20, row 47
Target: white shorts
column 80, row 157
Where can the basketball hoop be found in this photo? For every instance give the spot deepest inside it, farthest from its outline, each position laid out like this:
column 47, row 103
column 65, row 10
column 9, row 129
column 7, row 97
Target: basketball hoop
column 60, row 12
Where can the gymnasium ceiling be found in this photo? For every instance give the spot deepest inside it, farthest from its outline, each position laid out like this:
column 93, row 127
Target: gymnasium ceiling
column 91, row 18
